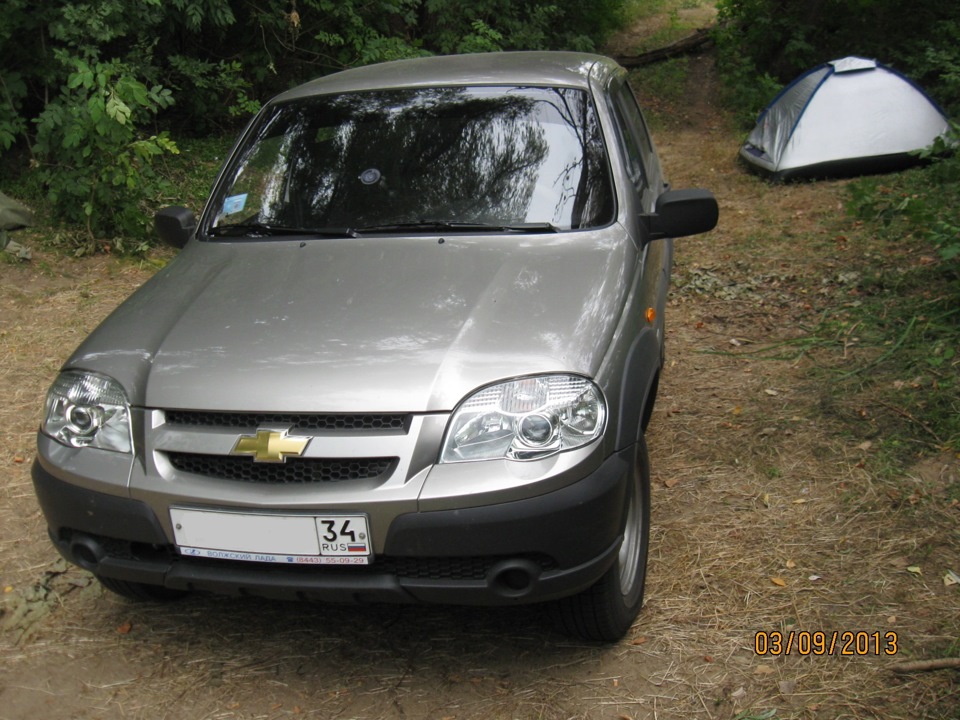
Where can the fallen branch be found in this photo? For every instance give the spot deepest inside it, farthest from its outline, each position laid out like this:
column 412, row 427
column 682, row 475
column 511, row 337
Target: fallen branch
column 700, row 38
column 924, row 665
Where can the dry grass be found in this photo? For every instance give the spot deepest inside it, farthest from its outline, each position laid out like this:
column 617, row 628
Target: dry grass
column 769, row 514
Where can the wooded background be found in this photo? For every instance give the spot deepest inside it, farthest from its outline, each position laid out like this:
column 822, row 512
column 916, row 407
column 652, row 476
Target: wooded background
column 91, row 93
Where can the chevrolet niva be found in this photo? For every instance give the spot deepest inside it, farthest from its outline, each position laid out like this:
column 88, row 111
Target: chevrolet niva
column 407, row 353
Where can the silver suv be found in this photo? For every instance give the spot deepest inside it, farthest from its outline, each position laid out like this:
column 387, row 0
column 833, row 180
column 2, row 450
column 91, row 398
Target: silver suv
column 407, row 353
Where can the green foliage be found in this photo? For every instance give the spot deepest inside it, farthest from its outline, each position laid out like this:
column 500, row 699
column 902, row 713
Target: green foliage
column 197, row 82
column 911, row 310
column 776, row 40
column 94, row 163
column 924, row 203
column 12, row 122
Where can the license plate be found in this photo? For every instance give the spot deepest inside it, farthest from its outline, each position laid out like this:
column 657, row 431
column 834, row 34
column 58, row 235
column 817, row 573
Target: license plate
column 286, row 539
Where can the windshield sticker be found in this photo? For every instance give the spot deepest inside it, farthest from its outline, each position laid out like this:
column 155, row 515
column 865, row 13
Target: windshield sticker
column 234, row 204
column 369, row 177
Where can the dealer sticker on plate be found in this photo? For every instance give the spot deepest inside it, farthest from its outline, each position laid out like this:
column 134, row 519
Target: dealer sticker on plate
column 286, row 539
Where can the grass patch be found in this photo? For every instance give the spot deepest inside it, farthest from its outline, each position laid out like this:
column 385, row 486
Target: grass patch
column 661, row 88
column 191, row 173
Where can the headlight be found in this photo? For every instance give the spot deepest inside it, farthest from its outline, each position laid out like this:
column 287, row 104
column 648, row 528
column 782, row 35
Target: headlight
column 525, row 419
column 88, row 410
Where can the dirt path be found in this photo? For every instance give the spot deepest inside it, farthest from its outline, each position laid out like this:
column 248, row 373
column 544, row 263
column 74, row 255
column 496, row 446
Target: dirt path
column 768, row 516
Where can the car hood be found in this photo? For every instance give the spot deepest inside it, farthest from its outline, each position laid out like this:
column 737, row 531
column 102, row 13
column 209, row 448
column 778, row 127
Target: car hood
column 373, row 324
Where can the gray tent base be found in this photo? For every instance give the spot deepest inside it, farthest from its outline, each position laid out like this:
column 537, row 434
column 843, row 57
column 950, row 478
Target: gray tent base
column 834, row 169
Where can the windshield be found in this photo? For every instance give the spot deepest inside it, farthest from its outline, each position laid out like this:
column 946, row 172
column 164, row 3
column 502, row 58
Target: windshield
column 490, row 156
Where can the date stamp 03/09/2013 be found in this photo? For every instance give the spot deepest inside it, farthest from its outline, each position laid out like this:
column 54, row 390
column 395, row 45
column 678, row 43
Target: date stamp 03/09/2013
column 848, row 643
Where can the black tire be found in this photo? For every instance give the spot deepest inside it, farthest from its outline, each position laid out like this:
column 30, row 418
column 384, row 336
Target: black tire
column 605, row 611
column 140, row 591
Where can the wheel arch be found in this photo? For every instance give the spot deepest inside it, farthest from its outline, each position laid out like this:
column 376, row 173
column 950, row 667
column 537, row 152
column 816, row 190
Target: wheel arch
column 638, row 387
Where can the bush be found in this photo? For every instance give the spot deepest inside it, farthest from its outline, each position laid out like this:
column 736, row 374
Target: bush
column 772, row 41
column 95, row 165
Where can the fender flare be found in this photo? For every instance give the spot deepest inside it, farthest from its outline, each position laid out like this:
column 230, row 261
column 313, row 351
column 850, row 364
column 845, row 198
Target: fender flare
column 638, row 387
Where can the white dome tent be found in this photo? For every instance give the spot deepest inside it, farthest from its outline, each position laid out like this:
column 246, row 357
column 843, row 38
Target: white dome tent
column 845, row 117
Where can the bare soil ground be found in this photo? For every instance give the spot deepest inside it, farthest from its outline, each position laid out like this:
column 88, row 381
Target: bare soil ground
column 770, row 514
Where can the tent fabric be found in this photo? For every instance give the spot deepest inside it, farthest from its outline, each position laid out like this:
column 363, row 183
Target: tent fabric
column 843, row 117
column 13, row 216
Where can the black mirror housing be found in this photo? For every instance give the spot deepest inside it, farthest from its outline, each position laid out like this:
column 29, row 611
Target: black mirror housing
column 680, row 213
column 175, row 225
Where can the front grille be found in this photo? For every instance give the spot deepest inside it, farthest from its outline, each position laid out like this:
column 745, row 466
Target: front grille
column 304, row 422
column 294, row 470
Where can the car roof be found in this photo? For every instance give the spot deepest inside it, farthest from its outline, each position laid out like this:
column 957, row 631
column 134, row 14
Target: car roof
column 563, row 69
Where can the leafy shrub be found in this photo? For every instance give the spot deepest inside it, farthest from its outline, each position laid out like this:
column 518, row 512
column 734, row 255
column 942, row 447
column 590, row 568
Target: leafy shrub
column 95, row 164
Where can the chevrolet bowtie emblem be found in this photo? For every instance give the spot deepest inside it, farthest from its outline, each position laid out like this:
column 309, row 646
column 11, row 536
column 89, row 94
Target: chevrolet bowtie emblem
column 270, row 446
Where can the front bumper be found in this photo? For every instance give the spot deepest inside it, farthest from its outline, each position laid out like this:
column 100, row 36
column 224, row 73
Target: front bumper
column 523, row 551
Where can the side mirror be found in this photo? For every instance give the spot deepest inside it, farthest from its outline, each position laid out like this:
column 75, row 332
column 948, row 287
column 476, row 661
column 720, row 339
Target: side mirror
column 682, row 212
column 175, row 225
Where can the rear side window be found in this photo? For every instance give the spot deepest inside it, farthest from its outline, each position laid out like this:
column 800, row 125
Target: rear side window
column 641, row 159
column 499, row 155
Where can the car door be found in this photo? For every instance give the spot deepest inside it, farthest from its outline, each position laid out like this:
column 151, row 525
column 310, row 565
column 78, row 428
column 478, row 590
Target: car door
column 646, row 177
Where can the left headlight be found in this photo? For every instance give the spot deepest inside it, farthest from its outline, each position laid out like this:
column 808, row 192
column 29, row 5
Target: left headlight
column 525, row 419
column 88, row 410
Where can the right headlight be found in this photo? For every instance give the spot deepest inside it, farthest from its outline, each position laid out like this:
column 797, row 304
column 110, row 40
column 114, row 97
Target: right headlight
column 88, row 410
column 525, row 419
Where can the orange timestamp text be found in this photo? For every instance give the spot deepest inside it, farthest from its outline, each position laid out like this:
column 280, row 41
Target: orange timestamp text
column 836, row 642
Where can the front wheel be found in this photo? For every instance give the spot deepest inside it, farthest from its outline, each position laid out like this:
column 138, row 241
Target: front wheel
column 606, row 610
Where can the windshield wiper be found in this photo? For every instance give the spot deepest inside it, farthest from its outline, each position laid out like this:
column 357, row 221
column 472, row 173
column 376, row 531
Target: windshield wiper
column 264, row 230
column 444, row 225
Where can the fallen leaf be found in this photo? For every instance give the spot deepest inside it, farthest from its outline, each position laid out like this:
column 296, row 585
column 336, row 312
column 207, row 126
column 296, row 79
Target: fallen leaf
column 765, row 499
column 791, row 564
column 18, row 460
column 951, row 578
column 8, row 589
column 813, row 578
column 915, row 569
column 763, row 670
column 891, row 620
column 779, row 582
column 616, row 682
column 708, row 658
column 799, row 501
column 771, row 393
column 125, row 628
column 787, row 686
column 670, row 482
column 638, row 641
column 865, row 446
column 739, row 693
column 737, row 410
